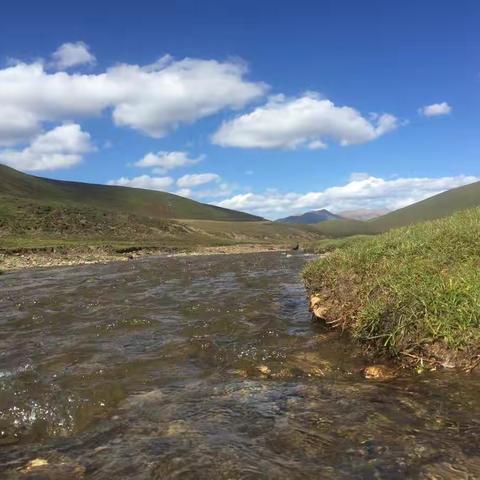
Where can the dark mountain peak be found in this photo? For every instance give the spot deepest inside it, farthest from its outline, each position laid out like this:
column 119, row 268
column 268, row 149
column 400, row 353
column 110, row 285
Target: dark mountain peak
column 314, row 216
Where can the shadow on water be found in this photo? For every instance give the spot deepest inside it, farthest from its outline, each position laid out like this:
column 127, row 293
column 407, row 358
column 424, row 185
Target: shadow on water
column 209, row 368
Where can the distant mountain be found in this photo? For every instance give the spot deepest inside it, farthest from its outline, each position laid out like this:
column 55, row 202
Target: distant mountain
column 363, row 213
column 315, row 216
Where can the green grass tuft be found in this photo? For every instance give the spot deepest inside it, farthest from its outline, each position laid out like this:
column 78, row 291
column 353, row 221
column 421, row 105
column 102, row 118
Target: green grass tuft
column 327, row 245
column 412, row 292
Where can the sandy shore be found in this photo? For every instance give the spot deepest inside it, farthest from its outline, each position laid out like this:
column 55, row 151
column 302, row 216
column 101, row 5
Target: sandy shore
column 86, row 256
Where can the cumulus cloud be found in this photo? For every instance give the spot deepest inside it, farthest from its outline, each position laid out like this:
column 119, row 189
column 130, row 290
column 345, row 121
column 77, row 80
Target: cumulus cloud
column 61, row 147
column 144, row 181
column 184, row 192
column 308, row 121
column 435, row 110
column 196, row 179
column 220, row 190
column 72, row 54
column 361, row 191
column 16, row 125
column 162, row 162
column 151, row 98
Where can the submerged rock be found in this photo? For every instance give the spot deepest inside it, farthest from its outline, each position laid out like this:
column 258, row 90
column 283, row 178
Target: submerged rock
column 379, row 372
column 317, row 307
column 58, row 469
column 264, row 369
column 310, row 364
column 33, row 464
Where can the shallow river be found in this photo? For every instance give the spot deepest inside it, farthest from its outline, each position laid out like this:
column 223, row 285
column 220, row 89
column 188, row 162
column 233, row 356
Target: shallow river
column 209, row 368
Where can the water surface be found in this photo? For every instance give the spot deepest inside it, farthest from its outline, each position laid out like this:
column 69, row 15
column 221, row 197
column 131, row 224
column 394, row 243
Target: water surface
column 209, row 367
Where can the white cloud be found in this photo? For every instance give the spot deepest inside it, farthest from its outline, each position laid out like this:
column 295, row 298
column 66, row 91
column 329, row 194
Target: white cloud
column 316, row 145
column 72, row 54
column 304, row 121
column 152, row 98
column 16, row 125
column 186, row 185
column 221, row 190
column 62, row 147
column 144, row 181
column 195, row 179
column 361, row 191
column 435, row 110
column 184, row 192
column 217, row 191
column 162, row 162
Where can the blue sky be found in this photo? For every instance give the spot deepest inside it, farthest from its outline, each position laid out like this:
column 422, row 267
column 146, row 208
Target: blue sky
column 270, row 107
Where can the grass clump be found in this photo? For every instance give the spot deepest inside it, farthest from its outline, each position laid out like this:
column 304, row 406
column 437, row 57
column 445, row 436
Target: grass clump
column 413, row 292
column 330, row 244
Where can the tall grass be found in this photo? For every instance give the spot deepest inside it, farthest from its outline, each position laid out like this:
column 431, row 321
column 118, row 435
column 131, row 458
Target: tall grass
column 327, row 245
column 412, row 292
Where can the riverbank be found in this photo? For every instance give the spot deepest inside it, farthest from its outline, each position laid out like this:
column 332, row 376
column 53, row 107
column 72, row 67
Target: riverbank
column 412, row 293
column 24, row 258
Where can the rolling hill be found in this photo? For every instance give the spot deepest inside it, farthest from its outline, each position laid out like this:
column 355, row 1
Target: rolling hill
column 363, row 213
column 315, row 216
column 149, row 203
column 38, row 213
column 438, row 206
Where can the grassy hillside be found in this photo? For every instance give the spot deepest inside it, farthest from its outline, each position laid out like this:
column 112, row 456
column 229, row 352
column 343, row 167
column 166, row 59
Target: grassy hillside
column 146, row 203
column 259, row 232
column 38, row 216
column 412, row 292
column 343, row 228
column 438, row 206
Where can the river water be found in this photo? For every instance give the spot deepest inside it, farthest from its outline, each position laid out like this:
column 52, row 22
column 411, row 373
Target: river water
column 209, row 367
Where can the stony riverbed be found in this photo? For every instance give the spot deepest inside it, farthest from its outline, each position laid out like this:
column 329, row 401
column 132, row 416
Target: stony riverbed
column 209, row 367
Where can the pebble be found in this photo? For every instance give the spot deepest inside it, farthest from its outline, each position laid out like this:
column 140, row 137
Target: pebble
column 378, row 372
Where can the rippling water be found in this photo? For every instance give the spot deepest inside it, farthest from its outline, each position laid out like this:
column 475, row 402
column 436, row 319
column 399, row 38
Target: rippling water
column 209, row 368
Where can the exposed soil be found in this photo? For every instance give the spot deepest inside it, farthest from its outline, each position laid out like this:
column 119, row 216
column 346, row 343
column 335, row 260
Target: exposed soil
column 325, row 308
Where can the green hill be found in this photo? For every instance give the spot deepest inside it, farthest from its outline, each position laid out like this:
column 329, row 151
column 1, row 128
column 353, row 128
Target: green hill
column 147, row 203
column 438, row 206
column 43, row 215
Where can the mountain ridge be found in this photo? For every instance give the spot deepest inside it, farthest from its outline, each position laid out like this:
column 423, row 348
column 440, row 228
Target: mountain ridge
column 311, row 217
column 150, row 203
column 437, row 206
